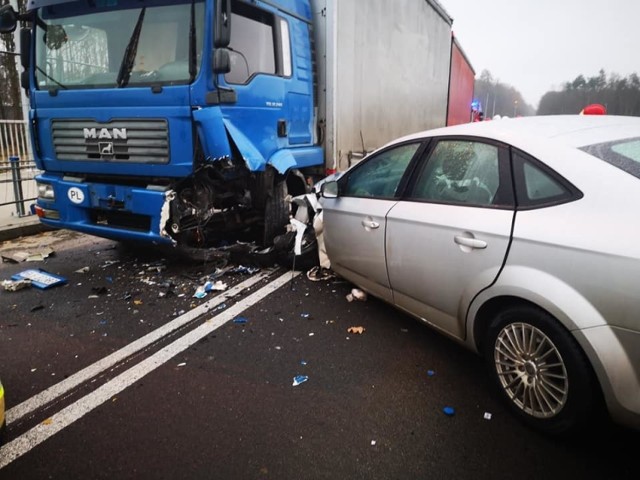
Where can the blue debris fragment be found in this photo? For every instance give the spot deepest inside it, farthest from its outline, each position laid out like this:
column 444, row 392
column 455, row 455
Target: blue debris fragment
column 298, row 379
column 430, row 373
column 240, row 320
column 449, row 411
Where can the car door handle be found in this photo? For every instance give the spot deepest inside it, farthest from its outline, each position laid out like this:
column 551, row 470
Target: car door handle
column 370, row 224
column 470, row 242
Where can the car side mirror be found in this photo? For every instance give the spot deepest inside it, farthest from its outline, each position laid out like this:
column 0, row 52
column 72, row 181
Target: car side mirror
column 330, row 189
column 222, row 22
column 221, row 61
column 8, row 19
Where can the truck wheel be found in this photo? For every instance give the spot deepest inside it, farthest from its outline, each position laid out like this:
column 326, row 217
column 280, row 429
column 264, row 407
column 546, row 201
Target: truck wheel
column 276, row 212
column 539, row 369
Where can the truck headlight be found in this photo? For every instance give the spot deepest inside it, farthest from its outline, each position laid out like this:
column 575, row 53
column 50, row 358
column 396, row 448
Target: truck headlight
column 45, row 191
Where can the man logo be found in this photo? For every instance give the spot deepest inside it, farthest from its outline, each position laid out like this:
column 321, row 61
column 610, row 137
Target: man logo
column 105, row 133
column 106, row 148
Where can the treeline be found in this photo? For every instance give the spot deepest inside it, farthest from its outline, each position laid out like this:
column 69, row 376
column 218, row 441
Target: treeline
column 620, row 95
column 499, row 98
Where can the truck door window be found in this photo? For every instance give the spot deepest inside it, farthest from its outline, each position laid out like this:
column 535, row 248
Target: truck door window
column 252, row 49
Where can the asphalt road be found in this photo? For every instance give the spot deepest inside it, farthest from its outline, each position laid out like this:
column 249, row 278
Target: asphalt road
column 139, row 385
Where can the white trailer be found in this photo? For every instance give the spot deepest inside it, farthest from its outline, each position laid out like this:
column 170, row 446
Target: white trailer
column 383, row 72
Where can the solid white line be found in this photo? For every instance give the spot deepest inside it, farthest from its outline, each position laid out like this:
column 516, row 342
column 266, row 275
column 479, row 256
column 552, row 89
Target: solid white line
column 38, row 434
column 55, row 391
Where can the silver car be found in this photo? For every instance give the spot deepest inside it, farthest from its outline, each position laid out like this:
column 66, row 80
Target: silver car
column 518, row 238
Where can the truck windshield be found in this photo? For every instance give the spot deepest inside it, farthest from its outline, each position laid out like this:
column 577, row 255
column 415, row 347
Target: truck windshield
column 118, row 43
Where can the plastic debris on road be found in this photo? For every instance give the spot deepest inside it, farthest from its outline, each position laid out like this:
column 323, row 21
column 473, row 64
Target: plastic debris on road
column 487, row 416
column 449, row 411
column 298, row 379
column 82, row 270
column 40, row 278
column 356, row 330
column 15, row 285
column 240, row 320
column 317, row 274
column 373, row 443
column 357, row 294
column 430, row 373
column 202, row 290
column 26, row 256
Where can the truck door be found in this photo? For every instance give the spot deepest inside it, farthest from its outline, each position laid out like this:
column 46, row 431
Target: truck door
column 273, row 106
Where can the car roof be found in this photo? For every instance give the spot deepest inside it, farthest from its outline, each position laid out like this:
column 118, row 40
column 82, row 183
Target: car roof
column 571, row 130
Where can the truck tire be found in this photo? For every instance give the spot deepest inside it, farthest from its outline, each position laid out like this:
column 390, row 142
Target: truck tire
column 276, row 212
column 540, row 371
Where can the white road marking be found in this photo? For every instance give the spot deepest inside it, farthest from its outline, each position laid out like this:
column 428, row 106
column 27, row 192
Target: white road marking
column 38, row 434
column 50, row 394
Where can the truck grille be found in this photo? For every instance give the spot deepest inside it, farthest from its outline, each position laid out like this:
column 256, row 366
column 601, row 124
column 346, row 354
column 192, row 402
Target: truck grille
column 121, row 140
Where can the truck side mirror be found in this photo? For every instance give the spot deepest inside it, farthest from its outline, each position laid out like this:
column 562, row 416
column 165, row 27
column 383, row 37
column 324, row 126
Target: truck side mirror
column 8, row 19
column 221, row 61
column 25, row 48
column 222, row 30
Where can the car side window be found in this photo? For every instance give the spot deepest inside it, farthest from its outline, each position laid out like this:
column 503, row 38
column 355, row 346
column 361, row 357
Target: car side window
column 380, row 175
column 537, row 185
column 460, row 171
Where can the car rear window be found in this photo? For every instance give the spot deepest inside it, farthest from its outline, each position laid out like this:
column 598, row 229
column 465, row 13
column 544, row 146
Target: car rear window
column 624, row 154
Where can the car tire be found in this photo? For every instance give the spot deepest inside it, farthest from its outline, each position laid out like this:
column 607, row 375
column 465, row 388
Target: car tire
column 540, row 370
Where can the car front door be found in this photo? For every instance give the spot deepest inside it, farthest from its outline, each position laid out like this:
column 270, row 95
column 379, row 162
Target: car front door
column 355, row 222
column 448, row 238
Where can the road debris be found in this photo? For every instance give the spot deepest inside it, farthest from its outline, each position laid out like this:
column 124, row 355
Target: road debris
column 487, row 416
column 40, row 279
column 217, row 286
column 430, row 373
column 357, row 294
column 15, row 285
column 318, row 273
column 240, row 320
column 28, row 256
column 449, row 411
column 356, row 330
column 298, row 379
column 82, row 270
column 373, row 443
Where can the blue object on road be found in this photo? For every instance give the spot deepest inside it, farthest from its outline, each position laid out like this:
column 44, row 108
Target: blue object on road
column 449, row 411
column 430, row 373
column 241, row 320
column 298, row 379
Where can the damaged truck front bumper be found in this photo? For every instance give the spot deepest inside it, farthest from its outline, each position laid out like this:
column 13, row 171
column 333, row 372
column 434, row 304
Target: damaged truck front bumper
column 138, row 213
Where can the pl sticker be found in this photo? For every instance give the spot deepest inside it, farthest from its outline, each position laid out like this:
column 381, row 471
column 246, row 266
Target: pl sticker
column 75, row 195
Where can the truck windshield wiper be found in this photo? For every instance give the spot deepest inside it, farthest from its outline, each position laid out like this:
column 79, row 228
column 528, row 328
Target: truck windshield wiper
column 49, row 77
column 192, row 43
column 130, row 53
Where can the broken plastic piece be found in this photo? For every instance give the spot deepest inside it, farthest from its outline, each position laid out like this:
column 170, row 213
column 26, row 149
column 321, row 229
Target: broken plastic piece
column 240, row 320
column 357, row 330
column 40, row 278
column 430, row 373
column 449, row 411
column 487, row 416
column 298, row 379
column 357, row 294
column 15, row 285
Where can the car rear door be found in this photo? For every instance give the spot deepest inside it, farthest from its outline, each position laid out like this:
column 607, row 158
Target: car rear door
column 448, row 238
column 355, row 222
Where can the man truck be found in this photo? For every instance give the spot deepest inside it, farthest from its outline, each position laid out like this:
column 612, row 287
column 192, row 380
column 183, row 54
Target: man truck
column 191, row 122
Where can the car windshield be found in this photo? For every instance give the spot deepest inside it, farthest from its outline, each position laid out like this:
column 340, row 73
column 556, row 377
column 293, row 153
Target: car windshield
column 624, row 154
column 108, row 43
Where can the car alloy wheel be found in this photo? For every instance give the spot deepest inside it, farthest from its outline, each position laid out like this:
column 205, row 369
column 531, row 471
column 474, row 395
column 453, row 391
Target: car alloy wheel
column 540, row 370
column 531, row 370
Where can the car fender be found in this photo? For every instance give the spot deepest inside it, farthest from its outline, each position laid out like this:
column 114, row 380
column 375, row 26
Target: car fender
column 550, row 293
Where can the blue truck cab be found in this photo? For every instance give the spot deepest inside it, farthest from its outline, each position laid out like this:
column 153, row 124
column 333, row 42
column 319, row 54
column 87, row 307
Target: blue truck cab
column 184, row 122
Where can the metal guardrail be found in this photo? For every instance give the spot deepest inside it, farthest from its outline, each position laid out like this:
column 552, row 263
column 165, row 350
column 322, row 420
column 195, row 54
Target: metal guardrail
column 17, row 168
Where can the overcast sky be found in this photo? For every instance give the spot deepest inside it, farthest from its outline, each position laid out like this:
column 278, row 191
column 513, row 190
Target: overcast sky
column 537, row 45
